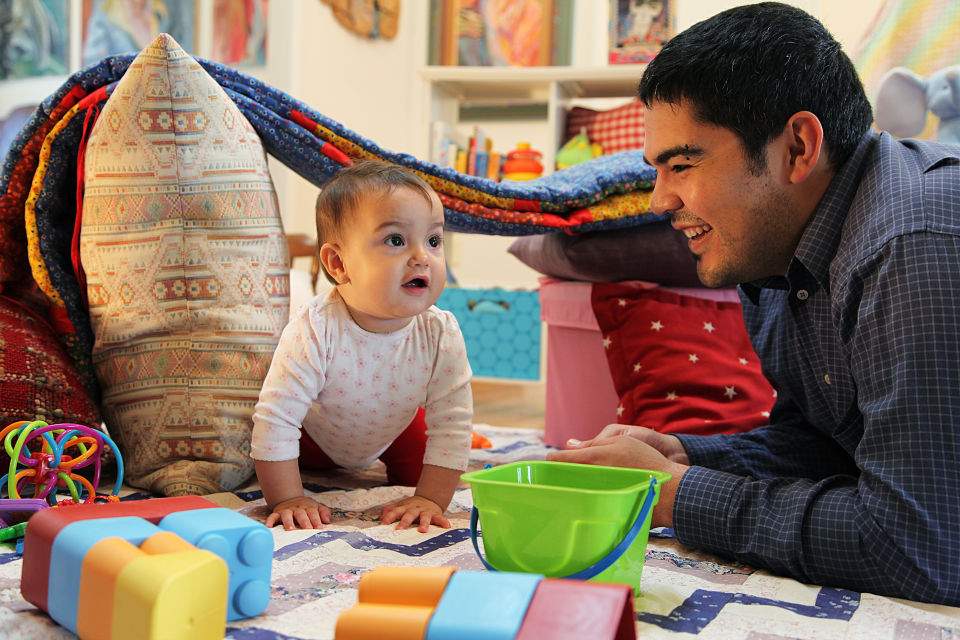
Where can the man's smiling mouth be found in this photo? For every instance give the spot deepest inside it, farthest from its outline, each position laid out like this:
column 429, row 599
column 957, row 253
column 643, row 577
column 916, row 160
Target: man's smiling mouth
column 693, row 233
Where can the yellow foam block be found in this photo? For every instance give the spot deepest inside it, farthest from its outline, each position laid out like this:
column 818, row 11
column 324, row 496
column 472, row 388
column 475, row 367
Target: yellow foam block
column 171, row 596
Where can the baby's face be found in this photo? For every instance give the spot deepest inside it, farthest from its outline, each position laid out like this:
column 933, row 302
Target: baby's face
column 392, row 251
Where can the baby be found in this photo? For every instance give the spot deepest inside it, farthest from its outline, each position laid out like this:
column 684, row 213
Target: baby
column 373, row 369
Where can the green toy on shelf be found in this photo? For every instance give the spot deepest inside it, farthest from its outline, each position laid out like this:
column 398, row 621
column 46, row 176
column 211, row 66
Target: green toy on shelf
column 578, row 149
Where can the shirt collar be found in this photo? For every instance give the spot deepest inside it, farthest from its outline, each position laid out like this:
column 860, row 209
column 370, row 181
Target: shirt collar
column 818, row 243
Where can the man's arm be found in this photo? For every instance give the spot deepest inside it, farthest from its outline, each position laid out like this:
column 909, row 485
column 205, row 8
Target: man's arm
column 788, row 446
column 892, row 527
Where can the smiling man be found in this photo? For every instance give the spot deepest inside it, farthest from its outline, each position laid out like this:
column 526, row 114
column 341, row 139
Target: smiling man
column 846, row 246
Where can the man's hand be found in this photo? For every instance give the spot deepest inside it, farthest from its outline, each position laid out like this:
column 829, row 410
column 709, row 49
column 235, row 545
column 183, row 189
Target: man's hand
column 407, row 511
column 300, row 512
column 668, row 445
column 639, row 448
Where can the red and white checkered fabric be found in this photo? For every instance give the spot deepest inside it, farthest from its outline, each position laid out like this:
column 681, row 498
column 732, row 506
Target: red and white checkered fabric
column 615, row 130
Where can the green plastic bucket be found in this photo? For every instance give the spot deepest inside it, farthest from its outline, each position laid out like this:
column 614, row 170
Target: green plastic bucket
column 565, row 520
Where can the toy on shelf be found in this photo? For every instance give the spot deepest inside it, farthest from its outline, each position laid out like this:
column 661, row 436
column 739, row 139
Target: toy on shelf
column 48, row 466
column 578, row 149
column 159, row 568
column 442, row 603
column 523, row 163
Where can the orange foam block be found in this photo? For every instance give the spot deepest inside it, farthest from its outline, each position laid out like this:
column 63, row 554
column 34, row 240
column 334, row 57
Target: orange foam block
column 401, row 599
column 413, row 586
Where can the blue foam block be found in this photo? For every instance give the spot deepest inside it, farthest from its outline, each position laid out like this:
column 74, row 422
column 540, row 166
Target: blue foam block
column 480, row 605
column 244, row 544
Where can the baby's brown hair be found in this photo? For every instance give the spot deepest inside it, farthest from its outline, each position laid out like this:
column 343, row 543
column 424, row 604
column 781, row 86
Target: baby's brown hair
column 342, row 194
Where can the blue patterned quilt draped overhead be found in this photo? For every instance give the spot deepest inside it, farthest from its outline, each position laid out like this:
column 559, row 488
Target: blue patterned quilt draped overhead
column 41, row 186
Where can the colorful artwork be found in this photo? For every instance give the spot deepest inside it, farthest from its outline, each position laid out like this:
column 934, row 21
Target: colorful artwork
column 638, row 29
column 112, row 27
column 518, row 33
column 33, row 38
column 240, row 32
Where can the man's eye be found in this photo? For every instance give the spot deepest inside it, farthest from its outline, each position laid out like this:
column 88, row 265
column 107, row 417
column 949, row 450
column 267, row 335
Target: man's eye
column 679, row 168
column 394, row 240
column 435, row 241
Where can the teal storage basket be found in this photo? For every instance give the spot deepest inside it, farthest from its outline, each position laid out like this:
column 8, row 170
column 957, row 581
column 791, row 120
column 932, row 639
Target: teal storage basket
column 501, row 329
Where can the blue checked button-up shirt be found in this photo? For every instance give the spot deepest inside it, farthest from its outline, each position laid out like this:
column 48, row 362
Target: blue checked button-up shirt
column 856, row 481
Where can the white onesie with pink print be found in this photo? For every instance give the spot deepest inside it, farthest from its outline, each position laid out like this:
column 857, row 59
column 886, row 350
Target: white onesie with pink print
column 355, row 391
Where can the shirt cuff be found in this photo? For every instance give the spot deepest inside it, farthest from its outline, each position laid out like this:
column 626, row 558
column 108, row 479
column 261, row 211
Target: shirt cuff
column 702, row 507
column 704, row 450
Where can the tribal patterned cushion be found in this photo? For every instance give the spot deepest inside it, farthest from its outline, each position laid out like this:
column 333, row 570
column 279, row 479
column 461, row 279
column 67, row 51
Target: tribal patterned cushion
column 187, row 273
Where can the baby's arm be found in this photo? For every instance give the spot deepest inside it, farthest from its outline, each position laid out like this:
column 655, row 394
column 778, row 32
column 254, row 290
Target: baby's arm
column 427, row 504
column 283, row 492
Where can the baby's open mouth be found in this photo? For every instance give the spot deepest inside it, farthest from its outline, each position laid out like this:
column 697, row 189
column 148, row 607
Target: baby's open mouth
column 416, row 283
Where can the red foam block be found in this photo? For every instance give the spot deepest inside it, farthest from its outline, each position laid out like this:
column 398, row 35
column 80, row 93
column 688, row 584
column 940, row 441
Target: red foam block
column 574, row 609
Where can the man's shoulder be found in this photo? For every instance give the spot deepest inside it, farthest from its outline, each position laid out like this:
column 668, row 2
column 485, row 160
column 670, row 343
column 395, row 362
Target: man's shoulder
column 930, row 155
column 910, row 168
column 909, row 186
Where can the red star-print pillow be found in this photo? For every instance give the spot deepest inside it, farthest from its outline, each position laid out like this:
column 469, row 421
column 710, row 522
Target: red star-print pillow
column 680, row 364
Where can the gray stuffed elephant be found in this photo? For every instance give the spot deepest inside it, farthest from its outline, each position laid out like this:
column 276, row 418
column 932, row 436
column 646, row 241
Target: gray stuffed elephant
column 904, row 97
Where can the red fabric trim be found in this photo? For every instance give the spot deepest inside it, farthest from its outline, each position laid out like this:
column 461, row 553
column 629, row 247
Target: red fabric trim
column 302, row 120
column 335, row 154
column 89, row 103
column 526, row 205
column 327, row 149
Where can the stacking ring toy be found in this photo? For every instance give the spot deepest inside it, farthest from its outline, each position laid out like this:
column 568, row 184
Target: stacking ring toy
column 50, row 466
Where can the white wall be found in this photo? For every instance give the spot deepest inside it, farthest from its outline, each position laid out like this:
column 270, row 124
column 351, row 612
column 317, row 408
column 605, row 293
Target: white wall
column 369, row 85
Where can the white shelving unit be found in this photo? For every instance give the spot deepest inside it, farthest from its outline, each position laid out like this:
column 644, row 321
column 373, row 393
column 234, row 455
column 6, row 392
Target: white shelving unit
column 449, row 87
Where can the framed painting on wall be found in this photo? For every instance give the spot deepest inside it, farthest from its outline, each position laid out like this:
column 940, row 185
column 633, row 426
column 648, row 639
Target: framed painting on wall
column 240, row 32
column 517, row 33
column 33, row 38
column 639, row 28
column 112, row 27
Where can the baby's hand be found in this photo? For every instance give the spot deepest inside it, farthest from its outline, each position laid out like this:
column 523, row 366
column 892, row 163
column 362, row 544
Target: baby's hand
column 409, row 510
column 302, row 512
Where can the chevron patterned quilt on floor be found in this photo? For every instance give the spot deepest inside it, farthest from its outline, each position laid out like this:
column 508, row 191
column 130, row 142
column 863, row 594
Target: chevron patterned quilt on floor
column 685, row 593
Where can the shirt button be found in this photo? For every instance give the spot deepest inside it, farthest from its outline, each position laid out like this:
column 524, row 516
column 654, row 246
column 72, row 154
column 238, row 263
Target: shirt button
column 802, row 294
column 826, row 378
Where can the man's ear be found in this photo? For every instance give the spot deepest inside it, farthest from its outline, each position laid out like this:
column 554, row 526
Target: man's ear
column 333, row 262
column 804, row 138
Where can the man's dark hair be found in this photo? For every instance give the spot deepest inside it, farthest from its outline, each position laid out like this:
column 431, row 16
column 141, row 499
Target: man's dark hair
column 342, row 194
column 750, row 68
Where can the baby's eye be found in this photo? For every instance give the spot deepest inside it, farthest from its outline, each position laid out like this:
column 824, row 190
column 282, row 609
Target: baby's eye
column 395, row 240
column 435, row 241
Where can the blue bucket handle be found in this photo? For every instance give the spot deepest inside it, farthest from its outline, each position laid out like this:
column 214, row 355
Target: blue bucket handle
column 603, row 563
